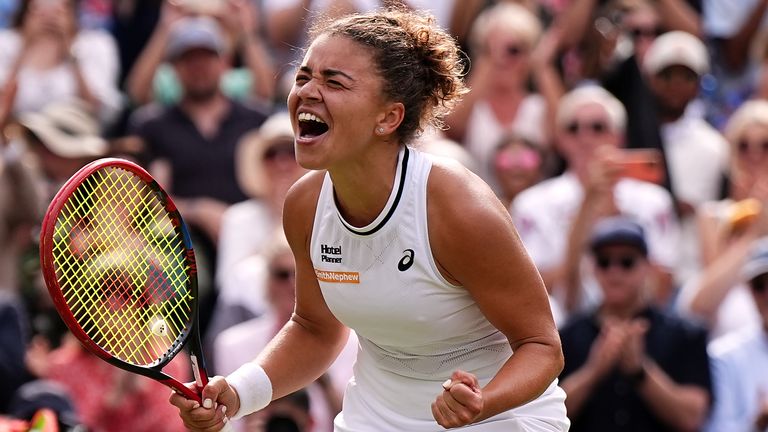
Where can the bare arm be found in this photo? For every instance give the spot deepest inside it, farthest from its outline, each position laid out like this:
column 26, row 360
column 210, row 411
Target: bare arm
column 736, row 48
column 83, row 91
column 598, row 201
column 575, row 20
column 242, row 19
column 679, row 15
column 548, row 82
column 304, row 348
column 463, row 15
column 139, row 80
column 719, row 278
column 307, row 345
column 479, row 81
column 284, row 26
column 489, row 260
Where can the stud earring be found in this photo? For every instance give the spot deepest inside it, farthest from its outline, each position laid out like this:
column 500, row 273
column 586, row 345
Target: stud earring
column 380, row 130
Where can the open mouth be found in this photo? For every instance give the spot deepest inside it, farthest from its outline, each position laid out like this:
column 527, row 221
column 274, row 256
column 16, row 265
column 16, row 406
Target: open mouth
column 311, row 126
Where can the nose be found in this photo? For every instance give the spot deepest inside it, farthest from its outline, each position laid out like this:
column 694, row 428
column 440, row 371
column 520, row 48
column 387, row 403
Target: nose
column 309, row 91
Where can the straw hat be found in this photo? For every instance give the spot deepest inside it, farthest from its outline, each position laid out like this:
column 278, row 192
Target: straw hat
column 67, row 130
column 251, row 150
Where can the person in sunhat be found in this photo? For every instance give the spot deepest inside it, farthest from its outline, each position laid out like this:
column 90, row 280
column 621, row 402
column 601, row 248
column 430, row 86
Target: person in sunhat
column 64, row 137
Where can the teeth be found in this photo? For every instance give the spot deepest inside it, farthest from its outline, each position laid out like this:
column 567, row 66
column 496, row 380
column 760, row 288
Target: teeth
column 310, row 117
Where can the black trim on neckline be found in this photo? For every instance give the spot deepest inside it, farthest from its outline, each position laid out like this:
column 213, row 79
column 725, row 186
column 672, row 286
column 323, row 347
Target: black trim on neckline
column 392, row 209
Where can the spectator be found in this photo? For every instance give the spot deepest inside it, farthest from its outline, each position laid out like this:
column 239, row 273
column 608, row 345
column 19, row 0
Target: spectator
column 47, row 406
column 49, row 59
column 727, row 228
column 628, row 365
column 192, row 144
column 111, row 399
column 611, row 39
column 739, row 375
column 153, row 79
column 502, row 39
column 64, row 137
column 555, row 216
column 243, row 342
column 517, row 165
column 696, row 154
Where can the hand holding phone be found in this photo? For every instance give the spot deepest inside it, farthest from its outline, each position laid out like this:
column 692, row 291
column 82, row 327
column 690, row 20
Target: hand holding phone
column 642, row 164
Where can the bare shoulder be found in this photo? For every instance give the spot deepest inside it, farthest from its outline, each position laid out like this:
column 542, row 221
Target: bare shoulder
column 299, row 207
column 460, row 195
column 468, row 226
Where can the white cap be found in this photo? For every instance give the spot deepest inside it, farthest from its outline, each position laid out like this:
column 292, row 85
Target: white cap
column 676, row 48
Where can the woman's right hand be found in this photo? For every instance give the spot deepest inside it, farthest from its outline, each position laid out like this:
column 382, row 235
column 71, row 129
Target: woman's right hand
column 220, row 401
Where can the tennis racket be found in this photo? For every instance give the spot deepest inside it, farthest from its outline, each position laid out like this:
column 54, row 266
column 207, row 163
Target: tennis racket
column 118, row 262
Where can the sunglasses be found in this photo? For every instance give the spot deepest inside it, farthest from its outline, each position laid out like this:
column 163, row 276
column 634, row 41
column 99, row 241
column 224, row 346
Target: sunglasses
column 282, row 274
column 668, row 74
column 597, row 127
column 644, row 32
column 509, row 49
column 745, row 147
column 279, row 150
column 514, row 50
column 759, row 284
column 625, row 262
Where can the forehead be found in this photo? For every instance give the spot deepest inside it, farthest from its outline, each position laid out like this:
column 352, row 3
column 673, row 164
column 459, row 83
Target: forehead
column 755, row 130
column 617, row 249
column 589, row 110
column 338, row 53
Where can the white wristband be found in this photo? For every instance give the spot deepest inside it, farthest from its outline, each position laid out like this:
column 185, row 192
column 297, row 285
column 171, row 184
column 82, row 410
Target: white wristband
column 253, row 386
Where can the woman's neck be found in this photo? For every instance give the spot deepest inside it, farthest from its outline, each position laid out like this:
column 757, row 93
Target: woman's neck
column 361, row 190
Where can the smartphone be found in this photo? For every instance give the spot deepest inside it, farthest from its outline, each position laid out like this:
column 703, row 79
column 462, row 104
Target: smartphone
column 643, row 164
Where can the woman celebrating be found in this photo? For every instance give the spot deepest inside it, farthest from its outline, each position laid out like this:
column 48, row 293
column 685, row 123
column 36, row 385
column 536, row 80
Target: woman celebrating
column 415, row 254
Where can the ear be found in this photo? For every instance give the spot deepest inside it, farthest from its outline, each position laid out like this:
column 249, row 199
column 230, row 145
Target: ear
column 390, row 119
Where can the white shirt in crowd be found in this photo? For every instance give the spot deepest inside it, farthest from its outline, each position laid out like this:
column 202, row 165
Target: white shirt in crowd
column 739, row 380
column 543, row 215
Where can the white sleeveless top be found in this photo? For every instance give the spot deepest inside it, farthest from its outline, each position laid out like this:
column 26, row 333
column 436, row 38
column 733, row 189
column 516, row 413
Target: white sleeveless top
column 414, row 327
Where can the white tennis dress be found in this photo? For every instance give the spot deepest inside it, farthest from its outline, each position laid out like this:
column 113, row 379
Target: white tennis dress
column 414, row 327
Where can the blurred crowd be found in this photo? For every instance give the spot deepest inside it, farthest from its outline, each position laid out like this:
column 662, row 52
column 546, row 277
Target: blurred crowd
column 628, row 138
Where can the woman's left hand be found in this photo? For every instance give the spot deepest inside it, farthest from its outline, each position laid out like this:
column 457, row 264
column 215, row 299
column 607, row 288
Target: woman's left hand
column 460, row 403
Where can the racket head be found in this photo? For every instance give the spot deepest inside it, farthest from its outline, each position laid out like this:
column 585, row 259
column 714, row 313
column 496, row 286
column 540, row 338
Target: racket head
column 119, row 265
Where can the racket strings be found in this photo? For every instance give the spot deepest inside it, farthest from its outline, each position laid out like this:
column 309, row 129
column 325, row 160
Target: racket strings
column 121, row 265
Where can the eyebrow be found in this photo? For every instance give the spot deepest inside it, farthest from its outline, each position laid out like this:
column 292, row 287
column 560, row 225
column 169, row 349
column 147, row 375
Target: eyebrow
column 327, row 73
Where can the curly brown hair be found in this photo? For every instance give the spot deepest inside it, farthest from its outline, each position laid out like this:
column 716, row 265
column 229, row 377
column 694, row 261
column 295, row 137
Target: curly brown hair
column 420, row 63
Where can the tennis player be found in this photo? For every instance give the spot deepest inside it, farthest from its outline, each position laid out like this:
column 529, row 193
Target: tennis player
column 415, row 253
